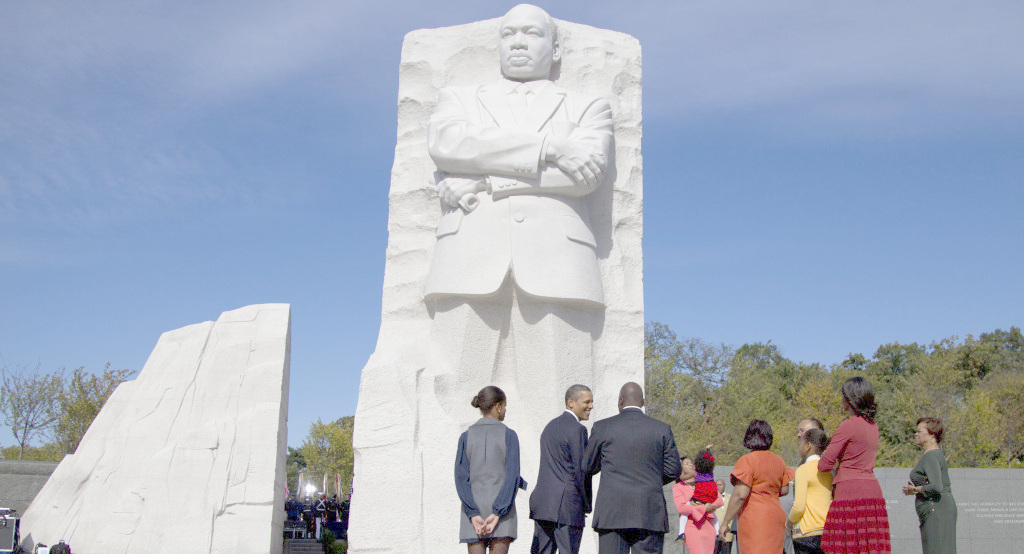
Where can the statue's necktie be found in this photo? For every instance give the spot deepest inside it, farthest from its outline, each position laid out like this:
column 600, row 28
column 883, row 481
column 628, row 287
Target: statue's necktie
column 519, row 101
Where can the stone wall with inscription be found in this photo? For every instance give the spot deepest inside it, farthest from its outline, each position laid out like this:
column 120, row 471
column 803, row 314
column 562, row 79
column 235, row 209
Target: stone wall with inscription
column 990, row 516
column 990, row 510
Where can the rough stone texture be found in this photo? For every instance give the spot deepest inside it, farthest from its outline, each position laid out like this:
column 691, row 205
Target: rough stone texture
column 20, row 482
column 404, row 496
column 188, row 457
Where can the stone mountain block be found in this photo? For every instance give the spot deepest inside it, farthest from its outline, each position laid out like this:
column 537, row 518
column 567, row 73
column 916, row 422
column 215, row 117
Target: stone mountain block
column 188, row 457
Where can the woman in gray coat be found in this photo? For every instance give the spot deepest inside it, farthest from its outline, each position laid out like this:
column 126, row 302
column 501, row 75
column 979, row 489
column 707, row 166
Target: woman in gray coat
column 487, row 477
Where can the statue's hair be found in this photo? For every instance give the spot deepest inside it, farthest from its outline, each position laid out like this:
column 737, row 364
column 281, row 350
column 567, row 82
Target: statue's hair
column 548, row 20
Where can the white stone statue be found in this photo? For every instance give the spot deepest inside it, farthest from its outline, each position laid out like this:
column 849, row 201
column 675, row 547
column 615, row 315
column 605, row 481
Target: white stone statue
column 515, row 260
column 529, row 277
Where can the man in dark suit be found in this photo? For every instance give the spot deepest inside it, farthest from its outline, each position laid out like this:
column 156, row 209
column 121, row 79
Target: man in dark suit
column 561, row 497
column 636, row 456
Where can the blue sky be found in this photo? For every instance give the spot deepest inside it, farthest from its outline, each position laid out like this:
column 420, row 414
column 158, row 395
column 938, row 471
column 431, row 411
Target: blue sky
column 828, row 176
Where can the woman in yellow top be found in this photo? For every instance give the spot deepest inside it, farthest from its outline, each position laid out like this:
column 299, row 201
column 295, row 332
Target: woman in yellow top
column 812, row 497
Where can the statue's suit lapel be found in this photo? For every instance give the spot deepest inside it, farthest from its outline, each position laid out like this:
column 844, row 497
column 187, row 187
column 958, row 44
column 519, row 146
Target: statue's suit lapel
column 494, row 99
column 543, row 107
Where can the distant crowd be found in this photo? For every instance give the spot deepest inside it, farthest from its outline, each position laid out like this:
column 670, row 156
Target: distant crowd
column 310, row 517
column 838, row 505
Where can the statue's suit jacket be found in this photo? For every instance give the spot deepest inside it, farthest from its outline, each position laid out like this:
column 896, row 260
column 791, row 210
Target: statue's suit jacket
column 562, row 493
column 636, row 456
column 534, row 221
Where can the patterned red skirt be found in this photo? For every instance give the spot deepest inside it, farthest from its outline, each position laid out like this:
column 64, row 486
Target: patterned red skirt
column 857, row 521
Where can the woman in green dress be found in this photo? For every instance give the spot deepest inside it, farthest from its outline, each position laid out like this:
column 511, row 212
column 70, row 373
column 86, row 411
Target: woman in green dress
column 929, row 482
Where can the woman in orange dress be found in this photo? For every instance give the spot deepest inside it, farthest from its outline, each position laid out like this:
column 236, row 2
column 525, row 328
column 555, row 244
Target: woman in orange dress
column 759, row 479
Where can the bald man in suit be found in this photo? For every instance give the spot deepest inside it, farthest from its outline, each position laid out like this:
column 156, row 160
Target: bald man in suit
column 636, row 456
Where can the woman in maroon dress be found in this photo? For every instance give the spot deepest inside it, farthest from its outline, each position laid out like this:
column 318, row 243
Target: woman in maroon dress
column 857, row 521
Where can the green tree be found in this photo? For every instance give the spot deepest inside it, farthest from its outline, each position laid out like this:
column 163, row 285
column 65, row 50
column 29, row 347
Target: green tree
column 974, row 436
column 761, row 384
column 893, row 361
column 968, row 384
column 708, row 394
column 294, row 463
column 894, row 371
column 819, row 397
column 854, row 362
column 1004, row 350
column 49, row 452
column 81, row 400
column 328, row 450
column 1006, row 390
column 682, row 377
column 29, row 401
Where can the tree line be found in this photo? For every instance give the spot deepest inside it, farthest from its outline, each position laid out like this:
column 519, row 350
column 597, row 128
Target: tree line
column 55, row 408
column 48, row 413
column 709, row 392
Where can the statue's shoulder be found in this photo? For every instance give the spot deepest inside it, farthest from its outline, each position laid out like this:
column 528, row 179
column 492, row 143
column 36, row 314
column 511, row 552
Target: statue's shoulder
column 581, row 102
column 464, row 91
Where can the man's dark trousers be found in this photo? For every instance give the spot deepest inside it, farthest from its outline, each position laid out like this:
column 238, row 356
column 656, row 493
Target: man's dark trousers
column 627, row 541
column 550, row 537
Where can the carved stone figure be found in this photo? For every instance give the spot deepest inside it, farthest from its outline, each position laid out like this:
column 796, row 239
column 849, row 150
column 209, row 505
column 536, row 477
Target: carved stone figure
column 529, row 277
column 514, row 283
column 528, row 151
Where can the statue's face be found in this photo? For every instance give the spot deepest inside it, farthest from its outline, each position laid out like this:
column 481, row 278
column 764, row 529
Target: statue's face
column 527, row 46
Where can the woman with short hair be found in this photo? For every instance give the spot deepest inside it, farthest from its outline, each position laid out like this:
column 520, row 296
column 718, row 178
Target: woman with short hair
column 857, row 521
column 929, row 483
column 759, row 478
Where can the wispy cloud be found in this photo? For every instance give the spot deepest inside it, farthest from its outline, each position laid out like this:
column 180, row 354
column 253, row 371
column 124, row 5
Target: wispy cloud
column 865, row 62
column 108, row 111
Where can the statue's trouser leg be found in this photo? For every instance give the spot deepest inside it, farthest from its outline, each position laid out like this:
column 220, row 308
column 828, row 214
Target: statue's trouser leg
column 533, row 348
